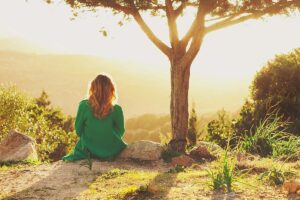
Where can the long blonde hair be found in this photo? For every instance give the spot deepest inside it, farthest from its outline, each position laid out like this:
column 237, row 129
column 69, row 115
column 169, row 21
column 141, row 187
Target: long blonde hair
column 101, row 95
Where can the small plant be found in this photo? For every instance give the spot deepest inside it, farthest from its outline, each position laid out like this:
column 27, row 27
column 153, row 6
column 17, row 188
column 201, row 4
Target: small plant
column 217, row 180
column 114, row 173
column 228, row 173
column 89, row 161
column 275, row 176
column 11, row 163
column 177, row 169
column 223, row 178
column 168, row 154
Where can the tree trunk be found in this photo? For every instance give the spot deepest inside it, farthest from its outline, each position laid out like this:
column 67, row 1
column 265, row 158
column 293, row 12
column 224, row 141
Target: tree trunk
column 180, row 76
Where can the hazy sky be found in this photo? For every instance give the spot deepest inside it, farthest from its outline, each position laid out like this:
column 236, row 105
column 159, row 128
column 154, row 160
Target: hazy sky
column 225, row 66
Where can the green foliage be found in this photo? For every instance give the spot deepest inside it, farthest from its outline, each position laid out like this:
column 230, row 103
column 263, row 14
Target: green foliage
column 258, row 129
column 13, row 106
column 11, row 163
column 271, row 139
column 219, row 130
column 114, row 173
column 168, row 154
column 177, row 169
column 223, row 178
column 277, row 88
column 192, row 128
column 52, row 130
column 276, row 176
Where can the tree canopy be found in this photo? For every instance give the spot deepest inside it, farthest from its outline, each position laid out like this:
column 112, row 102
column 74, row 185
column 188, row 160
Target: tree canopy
column 210, row 15
column 277, row 88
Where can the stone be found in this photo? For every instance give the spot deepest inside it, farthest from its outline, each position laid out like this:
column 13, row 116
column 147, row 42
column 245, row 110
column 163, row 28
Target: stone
column 142, row 150
column 210, row 146
column 292, row 187
column 201, row 153
column 17, row 147
column 182, row 160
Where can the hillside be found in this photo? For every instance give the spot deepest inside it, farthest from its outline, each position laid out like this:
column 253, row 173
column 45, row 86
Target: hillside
column 141, row 89
column 66, row 77
column 131, row 180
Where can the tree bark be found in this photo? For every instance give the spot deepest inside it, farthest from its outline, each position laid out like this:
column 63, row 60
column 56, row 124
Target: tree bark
column 180, row 76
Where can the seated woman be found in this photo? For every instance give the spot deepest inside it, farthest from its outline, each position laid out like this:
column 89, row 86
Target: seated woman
column 99, row 124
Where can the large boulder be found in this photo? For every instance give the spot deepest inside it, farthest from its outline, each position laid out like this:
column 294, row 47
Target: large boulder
column 17, row 147
column 142, row 150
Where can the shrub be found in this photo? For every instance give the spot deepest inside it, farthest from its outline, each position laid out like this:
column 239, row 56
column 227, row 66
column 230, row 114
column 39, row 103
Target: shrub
column 168, row 154
column 220, row 130
column 52, row 130
column 192, row 128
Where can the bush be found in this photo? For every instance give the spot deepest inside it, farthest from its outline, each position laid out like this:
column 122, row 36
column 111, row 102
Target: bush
column 52, row 130
column 192, row 128
column 220, row 130
column 276, row 87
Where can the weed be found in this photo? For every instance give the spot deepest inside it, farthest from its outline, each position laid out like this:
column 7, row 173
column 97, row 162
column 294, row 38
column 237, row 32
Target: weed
column 223, row 178
column 168, row 154
column 177, row 169
column 114, row 173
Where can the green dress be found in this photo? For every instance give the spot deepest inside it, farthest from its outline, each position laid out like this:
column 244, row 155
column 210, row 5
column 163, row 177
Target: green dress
column 100, row 138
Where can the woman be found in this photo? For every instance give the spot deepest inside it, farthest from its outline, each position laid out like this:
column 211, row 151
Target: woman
column 99, row 124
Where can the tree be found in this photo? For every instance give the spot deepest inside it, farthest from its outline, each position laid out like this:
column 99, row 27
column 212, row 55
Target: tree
column 211, row 15
column 276, row 88
column 43, row 100
column 193, row 129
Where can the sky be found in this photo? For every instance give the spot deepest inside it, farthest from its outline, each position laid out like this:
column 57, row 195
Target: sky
column 226, row 64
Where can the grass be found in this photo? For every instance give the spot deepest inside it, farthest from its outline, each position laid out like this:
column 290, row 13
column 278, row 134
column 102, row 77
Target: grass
column 194, row 181
column 223, row 177
column 8, row 165
column 271, row 139
column 168, row 154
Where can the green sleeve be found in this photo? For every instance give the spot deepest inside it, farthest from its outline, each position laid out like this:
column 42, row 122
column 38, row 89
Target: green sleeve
column 80, row 119
column 119, row 121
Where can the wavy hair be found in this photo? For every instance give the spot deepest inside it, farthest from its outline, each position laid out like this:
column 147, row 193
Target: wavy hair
column 101, row 95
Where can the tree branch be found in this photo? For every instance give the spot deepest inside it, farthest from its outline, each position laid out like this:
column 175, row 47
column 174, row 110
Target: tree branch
column 179, row 10
column 107, row 4
column 196, row 32
column 154, row 39
column 190, row 33
column 173, row 32
column 254, row 15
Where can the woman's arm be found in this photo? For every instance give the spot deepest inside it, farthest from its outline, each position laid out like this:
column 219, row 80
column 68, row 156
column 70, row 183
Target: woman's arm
column 119, row 121
column 80, row 119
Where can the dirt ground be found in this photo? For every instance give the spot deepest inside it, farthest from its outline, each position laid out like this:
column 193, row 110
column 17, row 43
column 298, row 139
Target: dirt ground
column 73, row 180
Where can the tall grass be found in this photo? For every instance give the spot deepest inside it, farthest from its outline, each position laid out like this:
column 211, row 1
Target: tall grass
column 271, row 139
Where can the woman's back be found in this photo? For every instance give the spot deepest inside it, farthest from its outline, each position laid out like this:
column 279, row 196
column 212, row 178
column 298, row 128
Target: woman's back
column 99, row 124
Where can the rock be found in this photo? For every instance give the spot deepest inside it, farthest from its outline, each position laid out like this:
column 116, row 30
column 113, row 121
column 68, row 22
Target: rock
column 153, row 188
column 292, row 187
column 182, row 160
column 142, row 150
column 16, row 147
column 210, row 146
column 201, row 153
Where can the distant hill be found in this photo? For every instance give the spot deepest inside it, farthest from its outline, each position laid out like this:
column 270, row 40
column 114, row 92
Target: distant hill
column 65, row 78
column 141, row 87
